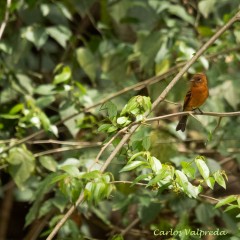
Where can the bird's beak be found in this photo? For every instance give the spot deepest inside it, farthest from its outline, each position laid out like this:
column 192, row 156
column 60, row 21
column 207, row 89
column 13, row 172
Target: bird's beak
column 192, row 80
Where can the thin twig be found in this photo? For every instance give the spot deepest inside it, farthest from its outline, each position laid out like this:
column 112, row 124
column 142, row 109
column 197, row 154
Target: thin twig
column 128, row 182
column 64, row 149
column 130, row 226
column 226, row 160
column 105, row 147
column 127, row 136
column 6, row 17
column 214, row 114
column 208, row 197
column 72, row 143
column 218, row 125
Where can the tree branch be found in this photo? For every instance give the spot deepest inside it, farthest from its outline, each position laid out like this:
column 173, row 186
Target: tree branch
column 214, row 114
column 127, row 136
column 6, row 17
column 130, row 226
column 137, row 86
column 64, row 149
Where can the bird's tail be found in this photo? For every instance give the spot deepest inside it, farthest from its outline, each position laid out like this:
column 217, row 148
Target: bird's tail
column 182, row 123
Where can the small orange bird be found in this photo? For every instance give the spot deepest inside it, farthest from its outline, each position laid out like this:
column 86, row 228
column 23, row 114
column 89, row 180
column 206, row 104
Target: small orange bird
column 195, row 97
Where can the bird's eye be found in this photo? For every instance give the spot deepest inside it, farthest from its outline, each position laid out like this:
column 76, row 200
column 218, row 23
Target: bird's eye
column 198, row 79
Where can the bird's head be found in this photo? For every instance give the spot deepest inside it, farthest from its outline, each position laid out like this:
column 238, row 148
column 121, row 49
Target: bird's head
column 198, row 79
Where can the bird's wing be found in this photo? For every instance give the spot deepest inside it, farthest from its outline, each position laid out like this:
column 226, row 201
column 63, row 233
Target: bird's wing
column 187, row 100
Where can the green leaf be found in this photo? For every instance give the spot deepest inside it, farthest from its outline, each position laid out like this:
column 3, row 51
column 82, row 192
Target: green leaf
column 25, row 83
column 45, row 208
column 104, row 127
column 188, row 188
column 89, row 190
column 44, row 101
column 10, row 116
column 64, row 10
column 202, row 167
column 58, row 178
column 44, row 120
column 122, row 120
column 137, row 105
column 60, row 33
column 16, row 108
column 35, row 34
column 146, row 143
column 136, row 155
column 60, row 201
column 49, row 163
column 91, row 175
column 230, row 208
column 181, row 13
column 139, row 178
column 99, row 191
column 117, row 237
column 88, row 62
column 71, row 170
column 205, row 31
column 71, row 188
column 226, row 200
column 204, row 212
column 112, row 129
column 210, row 182
column 22, row 165
column 42, row 188
column 219, row 178
column 111, row 109
column 238, row 201
column 155, row 165
column 188, row 169
column 206, row 7
column 45, row 89
column 164, row 176
column 133, row 165
column 64, row 76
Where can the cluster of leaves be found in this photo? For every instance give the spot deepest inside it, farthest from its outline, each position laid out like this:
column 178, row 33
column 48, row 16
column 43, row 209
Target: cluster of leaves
column 165, row 176
column 133, row 111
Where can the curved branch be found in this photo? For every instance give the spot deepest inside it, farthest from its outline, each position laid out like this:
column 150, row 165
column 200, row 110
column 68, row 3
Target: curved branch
column 127, row 136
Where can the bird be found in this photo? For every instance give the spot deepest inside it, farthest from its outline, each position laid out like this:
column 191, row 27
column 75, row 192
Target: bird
column 195, row 97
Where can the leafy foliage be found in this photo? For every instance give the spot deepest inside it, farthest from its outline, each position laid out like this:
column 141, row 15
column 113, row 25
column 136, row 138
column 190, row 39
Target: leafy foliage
column 71, row 82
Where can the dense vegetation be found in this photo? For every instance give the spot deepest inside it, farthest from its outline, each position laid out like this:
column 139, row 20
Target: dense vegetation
column 78, row 130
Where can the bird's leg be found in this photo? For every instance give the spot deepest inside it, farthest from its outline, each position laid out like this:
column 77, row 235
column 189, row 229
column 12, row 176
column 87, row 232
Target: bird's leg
column 199, row 110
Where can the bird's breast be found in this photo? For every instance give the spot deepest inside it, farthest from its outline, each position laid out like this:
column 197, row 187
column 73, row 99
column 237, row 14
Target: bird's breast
column 198, row 96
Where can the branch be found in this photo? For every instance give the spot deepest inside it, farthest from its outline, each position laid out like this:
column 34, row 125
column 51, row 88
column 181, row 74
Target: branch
column 64, row 149
column 6, row 210
column 130, row 226
column 6, row 17
column 214, row 114
column 53, row 141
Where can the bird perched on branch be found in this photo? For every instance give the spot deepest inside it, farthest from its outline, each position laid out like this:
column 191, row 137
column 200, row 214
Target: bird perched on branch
column 195, row 97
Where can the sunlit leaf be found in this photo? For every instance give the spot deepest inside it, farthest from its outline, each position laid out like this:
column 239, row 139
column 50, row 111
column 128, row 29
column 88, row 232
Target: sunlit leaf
column 133, row 165
column 202, row 167
column 226, row 201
